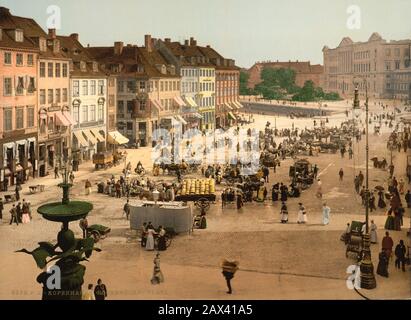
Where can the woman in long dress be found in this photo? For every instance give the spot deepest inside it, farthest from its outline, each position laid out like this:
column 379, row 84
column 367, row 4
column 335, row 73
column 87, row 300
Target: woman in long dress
column 373, row 232
column 381, row 202
column 284, row 213
column 326, row 214
column 389, row 223
column 382, row 268
column 261, row 193
column 150, row 238
column 397, row 220
column 302, row 215
column 157, row 274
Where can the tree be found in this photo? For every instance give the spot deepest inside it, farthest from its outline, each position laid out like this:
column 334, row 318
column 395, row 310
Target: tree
column 244, row 90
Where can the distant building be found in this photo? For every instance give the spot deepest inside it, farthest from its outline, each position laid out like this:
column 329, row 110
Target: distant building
column 304, row 71
column 384, row 66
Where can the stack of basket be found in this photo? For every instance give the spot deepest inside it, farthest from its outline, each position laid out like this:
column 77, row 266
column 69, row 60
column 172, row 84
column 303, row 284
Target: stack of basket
column 198, row 186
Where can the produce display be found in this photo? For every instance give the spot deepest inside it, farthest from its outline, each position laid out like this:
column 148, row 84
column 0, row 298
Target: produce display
column 198, row 187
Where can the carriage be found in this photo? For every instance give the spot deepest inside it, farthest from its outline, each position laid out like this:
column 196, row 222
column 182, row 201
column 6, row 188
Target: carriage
column 302, row 172
column 354, row 240
column 97, row 232
column 103, row 160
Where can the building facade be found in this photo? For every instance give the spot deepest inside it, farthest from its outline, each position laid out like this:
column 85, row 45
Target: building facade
column 383, row 67
column 88, row 100
column 18, row 102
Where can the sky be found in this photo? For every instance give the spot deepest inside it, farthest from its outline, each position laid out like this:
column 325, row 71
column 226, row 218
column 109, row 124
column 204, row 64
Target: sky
column 244, row 30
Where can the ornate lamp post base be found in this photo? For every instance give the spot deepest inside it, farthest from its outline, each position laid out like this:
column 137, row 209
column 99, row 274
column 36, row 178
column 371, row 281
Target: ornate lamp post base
column 366, row 267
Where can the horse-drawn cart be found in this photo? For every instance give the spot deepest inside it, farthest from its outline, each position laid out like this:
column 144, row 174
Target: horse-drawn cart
column 103, row 160
column 354, row 240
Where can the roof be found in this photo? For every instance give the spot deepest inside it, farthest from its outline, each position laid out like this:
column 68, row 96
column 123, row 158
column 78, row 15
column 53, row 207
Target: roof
column 297, row 66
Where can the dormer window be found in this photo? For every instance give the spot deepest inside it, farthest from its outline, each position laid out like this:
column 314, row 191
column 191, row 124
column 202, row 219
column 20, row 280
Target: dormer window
column 95, row 66
column 19, row 36
column 140, row 68
column 82, row 66
column 43, row 44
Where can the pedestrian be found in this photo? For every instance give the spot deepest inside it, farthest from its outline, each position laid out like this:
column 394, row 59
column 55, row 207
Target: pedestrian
column 401, row 186
column 266, row 173
column 387, row 244
column 326, row 214
column 239, row 200
column 371, row 202
column 5, row 184
column 391, row 169
column 319, row 193
column 350, row 153
column 71, row 177
column 157, row 277
column 400, row 255
column 361, row 178
column 302, row 214
column 2, row 208
column 19, row 212
column 13, row 213
column 381, row 202
column 25, row 218
column 56, row 172
column 341, row 174
column 363, row 195
column 100, row 291
column 143, row 234
column 229, row 269
column 357, row 184
column 161, row 245
column 118, row 189
column 315, row 171
column 87, row 187
column 373, row 232
column 17, row 191
column 126, row 209
column 382, row 268
column 88, row 294
column 284, row 213
column 408, row 199
column 150, row 237
column 83, row 223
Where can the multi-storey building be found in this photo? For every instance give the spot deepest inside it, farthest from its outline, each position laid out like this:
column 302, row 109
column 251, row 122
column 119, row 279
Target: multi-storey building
column 88, row 99
column 227, row 81
column 18, row 101
column 383, row 66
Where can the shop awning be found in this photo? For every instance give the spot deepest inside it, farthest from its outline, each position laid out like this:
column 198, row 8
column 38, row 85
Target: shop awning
column 98, row 135
column 69, row 118
column 180, row 119
column 115, row 137
column 228, row 106
column 191, row 102
column 61, row 120
column 80, row 138
column 234, row 106
column 231, row 115
column 90, row 137
column 179, row 101
column 156, row 104
column 239, row 104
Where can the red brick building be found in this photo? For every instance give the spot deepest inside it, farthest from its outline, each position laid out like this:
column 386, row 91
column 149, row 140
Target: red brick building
column 304, row 71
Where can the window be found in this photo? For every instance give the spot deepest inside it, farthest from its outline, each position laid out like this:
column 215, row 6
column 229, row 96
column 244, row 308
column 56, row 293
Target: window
column 92, row 113
column 142, row 85
column 387, row 52
column 19, row 36
column 30, row 117
column 100, row 113
column 120, row 86
column 42, row 96
column 84, row 85
column 85, row 114
column 161, row 86
column 64, row 94
column 120, row 106
column 387, row 65
column 76, row 88
column 32, row 85
column 20, row 85
column 51, row 124
column 129, row 126
column 166, row 86
column 93, row 87
column 64, row 70
column 58, row 95
column 7, row 58
column 76, row 114
column 7, row 87
column 101, row 87
column 130, row 106
column 30, row 60
column 143, row 105
column 19, row 118
column 19, row 59
column 397, row 64
column 111, row 120
column 50, row 70
column 58, row 70
column 7, row 123
column 50, row 96
column 131, row 87
column 42, row 70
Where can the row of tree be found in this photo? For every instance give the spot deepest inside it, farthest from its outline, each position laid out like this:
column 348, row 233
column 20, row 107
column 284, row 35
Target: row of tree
column 279, row 84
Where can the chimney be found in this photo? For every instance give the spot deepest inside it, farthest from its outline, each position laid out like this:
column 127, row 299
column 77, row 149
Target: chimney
column 193, row 42
column 4, row 11
column 118, row 48
column 167, row 40
column 1, row 34
column 148, row 43
column 208, row 46
column 74, row 36
column 52, row 33
column 186, row 43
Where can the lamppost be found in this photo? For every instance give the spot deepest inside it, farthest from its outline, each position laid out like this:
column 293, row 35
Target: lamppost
column 366, row 267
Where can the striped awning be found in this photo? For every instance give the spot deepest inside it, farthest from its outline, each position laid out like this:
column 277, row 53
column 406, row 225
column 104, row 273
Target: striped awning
column 157, row 105
column 98, row 135
column 228, row 106
column 80, row 138
column 180, row 119
column 239, row 104
column 61, row 120
column 69, row 118
column 116, row 137
column 231, row 115
column 90, row 137
column 191, row 102
column 179, row 101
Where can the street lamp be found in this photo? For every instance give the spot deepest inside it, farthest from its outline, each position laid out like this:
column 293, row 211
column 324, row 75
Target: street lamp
column 366, row 267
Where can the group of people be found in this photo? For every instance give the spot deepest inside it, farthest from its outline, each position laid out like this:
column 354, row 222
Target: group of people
column 99, row 292
column 20, row 213
column 386, row 254
column 148, row 235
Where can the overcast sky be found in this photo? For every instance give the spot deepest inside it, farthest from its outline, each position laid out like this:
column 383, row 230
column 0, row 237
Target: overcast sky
column 245, row 30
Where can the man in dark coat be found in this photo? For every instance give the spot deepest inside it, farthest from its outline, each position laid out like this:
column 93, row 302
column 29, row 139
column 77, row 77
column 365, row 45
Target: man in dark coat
column 13, row 213
column 100, row 291
column 408, row 199
column 2, row 208
column 400, row 255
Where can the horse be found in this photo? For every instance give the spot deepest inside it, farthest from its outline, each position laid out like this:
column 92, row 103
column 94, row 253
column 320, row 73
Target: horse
column 380, row 164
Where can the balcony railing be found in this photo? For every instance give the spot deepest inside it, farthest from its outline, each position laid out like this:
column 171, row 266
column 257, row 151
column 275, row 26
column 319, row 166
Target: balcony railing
column 89, row 124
